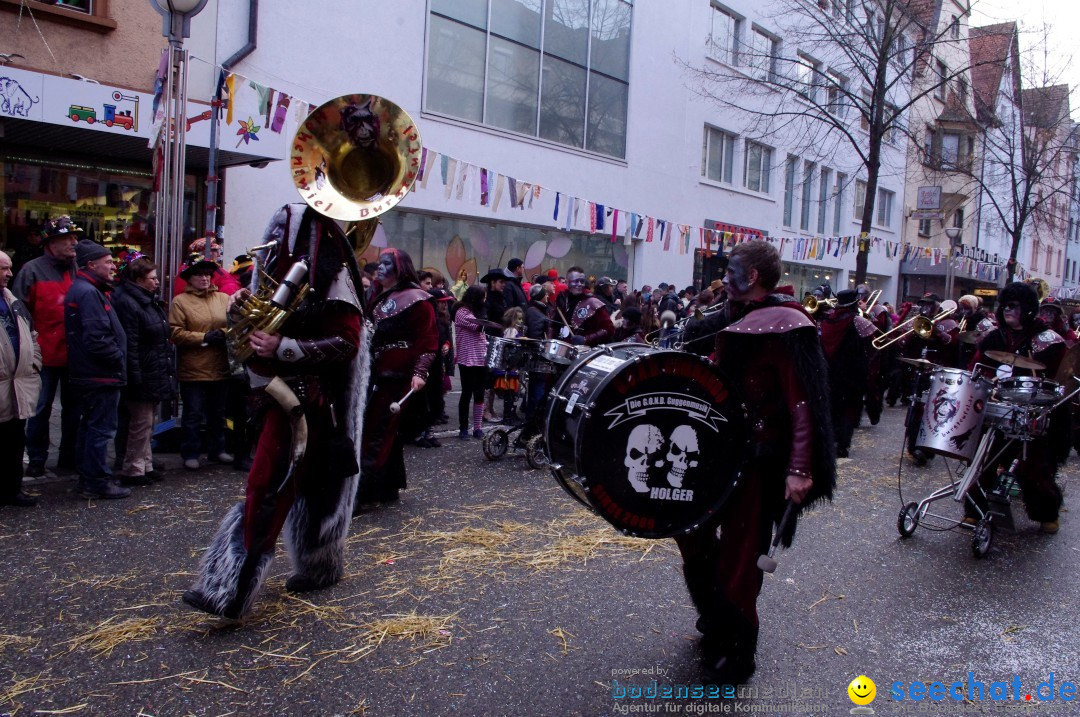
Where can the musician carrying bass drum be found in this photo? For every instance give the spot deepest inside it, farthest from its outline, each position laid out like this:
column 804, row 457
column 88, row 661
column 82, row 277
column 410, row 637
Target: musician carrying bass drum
column 771, row 352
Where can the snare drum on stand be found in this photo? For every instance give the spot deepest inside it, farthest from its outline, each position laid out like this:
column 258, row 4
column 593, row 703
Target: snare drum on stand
column 649, row 439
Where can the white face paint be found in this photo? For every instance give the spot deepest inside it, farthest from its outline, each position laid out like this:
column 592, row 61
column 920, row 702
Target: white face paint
column 643, row 443
column 576, row 282
column 682, row 454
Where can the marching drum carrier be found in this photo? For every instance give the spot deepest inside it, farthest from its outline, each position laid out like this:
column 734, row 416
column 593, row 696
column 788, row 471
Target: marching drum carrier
column 974, row 419
column 649, row 439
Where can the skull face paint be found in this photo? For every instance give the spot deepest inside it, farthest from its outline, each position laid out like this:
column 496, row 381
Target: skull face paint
column 575, row 282
column 737, row 279
column 643, row 443
column 386, row 271
column 682, row 454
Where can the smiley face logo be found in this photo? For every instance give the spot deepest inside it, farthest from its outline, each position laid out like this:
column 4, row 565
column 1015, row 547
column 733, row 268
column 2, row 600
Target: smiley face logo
column 862, row 690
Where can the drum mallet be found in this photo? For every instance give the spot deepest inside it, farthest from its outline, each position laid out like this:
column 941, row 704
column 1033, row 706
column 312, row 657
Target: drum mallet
column 395, row 407
column 767, row 563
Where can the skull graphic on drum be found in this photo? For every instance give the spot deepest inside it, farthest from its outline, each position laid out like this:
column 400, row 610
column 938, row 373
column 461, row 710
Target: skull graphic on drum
column 682, row 454
column 642, row 446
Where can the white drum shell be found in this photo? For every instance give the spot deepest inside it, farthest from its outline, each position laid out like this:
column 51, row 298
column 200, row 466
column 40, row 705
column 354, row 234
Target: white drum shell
column 954, row 413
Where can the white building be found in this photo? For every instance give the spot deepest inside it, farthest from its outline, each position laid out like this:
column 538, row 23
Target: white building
column 589, row 101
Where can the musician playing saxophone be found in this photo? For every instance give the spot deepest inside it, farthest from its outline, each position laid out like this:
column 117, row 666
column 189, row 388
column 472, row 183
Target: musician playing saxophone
column 317, row 354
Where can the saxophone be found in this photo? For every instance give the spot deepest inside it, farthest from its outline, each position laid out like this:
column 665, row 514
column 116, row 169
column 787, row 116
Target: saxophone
column 267, row 308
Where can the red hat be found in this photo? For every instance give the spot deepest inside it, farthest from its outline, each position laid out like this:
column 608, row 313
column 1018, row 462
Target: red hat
column 553, row 273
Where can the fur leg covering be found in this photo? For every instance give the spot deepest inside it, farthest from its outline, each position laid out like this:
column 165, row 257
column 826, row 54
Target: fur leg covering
column 315, row 534
column 229, row 578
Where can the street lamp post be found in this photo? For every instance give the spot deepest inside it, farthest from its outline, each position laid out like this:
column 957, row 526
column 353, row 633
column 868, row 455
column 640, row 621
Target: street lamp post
column 954, row 234
column 168, row 241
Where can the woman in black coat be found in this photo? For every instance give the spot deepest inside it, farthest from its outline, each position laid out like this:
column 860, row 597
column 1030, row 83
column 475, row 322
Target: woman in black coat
column 151, row 366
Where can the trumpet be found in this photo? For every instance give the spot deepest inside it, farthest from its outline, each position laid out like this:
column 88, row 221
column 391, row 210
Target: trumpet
column 921, row 326
column 812, row 304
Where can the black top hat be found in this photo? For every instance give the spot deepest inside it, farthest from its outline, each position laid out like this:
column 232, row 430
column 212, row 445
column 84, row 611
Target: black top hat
column 930, row 297
column 847, row 297
column 208, row 268
column 492, row 275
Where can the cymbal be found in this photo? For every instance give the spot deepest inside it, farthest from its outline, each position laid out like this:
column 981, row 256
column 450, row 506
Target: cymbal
column 1013, row 360
column 920, row 363
column 969, row 337
column 1070, row 366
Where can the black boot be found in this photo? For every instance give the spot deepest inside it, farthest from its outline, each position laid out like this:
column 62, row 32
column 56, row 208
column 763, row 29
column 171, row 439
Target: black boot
column 728, row 656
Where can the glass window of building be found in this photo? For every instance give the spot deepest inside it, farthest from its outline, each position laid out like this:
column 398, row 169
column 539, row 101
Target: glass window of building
column 789, row 188
column 717, row 155
column 113, row 205
column 724, row 35
column 884, row 207
column 758, row 165
column 558, row 69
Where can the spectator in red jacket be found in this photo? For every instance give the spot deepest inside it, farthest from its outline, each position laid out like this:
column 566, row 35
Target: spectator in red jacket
column 41, row 285
column 226, row 282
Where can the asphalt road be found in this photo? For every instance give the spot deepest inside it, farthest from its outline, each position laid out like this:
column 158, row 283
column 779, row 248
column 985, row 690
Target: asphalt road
column 489, row 591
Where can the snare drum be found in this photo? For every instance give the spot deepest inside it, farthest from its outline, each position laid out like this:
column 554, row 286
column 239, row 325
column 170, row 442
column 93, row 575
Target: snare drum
column 1020, row 421
column 558, row 351
column 504, row 354
column 1028, row 390
column 649, row 439
column 954, row 413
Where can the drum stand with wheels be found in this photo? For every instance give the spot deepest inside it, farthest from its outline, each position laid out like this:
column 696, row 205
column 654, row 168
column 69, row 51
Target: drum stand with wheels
column 504, row 439
column 959, row 489
column 1017, row 422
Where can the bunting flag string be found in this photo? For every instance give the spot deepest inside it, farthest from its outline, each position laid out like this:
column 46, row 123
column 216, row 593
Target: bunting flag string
column 463, row 181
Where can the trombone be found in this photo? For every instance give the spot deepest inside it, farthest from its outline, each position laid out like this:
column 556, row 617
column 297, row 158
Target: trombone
column 874, row 296
column 812, row 304
column 920, row 325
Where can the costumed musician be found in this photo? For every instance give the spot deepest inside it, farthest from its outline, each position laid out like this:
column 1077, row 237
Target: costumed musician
column 403, row 349
column 845, row 339
column 770, row 349
column 880, row 363
column 318, row 356
column 589, row 321
column 1020, row 331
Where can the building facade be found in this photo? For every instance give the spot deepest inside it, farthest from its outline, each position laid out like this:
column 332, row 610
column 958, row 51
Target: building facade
column 565, row 132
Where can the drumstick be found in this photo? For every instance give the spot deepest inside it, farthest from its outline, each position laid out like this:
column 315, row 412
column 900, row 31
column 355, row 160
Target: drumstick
column 395, row 407
column 562, row 316
column 767, row 563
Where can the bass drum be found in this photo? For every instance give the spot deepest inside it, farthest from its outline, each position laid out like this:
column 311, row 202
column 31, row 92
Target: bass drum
column 651, row 440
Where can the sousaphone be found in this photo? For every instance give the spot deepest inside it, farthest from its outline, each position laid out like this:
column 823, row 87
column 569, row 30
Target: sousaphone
column 355, row 158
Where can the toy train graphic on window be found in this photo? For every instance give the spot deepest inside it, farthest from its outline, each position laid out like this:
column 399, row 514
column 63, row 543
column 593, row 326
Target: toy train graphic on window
column 110, row 116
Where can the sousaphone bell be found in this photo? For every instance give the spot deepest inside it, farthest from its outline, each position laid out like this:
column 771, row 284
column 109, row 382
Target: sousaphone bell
column 354, row 158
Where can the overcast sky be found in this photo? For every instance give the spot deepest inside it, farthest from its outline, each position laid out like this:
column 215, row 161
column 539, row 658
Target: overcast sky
column 1044, row 24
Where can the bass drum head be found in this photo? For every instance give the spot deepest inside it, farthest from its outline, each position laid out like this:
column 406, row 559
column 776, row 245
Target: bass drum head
column 651, row 440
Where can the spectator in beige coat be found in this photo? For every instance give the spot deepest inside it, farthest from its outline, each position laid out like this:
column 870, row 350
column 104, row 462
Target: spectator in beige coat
column 197, row 322
column 20, row 383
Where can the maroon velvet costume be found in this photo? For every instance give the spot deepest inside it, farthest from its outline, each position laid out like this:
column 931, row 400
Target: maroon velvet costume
column 403, row 345
column 773, row 356
column 1036, row 475
column 588, row 318
column 845, row 338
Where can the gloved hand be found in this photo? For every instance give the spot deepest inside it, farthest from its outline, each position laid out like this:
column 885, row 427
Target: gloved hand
column 564, row 332
column 577, row 340
column 214, row 338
